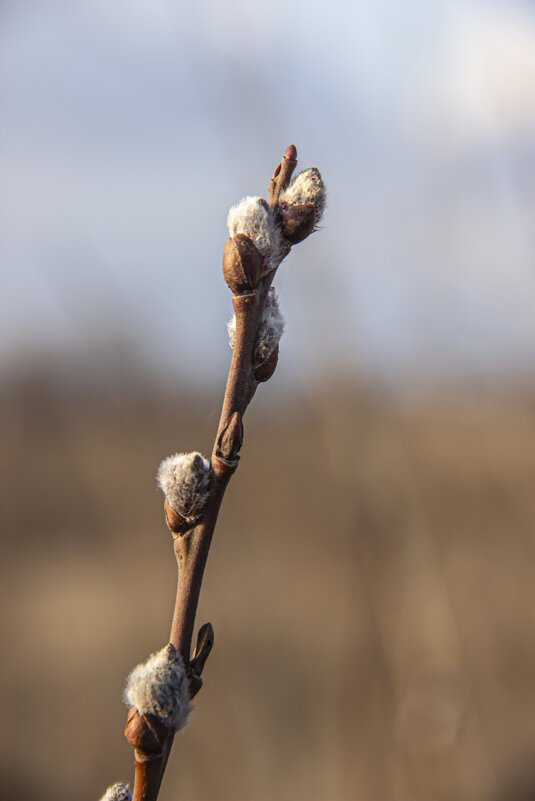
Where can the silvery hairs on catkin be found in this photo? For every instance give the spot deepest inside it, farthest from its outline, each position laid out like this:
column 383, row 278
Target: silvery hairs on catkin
column 118, row 792
column 253, row 217
column 185, row 480
column 307, row 187
column 159, row 687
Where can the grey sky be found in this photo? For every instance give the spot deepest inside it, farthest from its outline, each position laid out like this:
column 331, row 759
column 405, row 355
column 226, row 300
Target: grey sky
column 129, row 128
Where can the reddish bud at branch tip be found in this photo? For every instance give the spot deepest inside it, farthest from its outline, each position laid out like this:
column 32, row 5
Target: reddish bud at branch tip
column 291, row 153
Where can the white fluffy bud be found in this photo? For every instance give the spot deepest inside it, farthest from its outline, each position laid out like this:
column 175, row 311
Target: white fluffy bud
column 253, row 217
column 185, row 481
column 307, row 187
column 119, row 792
column 159, row 687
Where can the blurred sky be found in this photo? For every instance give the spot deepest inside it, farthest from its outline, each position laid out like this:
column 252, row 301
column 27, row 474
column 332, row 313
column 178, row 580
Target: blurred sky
column 128, row 128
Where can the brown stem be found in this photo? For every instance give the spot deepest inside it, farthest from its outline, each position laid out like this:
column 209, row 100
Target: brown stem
column 191, row 553
column 191, row 549
column 148, row 778
column 241, row 384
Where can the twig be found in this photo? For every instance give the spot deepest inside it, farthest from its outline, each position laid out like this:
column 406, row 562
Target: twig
column 261, row 236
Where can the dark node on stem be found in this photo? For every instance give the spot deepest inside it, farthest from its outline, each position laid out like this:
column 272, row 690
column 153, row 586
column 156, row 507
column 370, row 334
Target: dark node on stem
column 231, row 439
column 176, row 523
column 298, row 222
column 146, row 733
column 242, row 263
column 265, row 369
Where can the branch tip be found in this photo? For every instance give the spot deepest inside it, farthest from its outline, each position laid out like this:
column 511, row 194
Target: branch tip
column 291, row 153
column 282, row 175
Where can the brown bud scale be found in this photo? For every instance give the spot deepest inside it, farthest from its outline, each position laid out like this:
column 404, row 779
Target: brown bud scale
column 242, row 263
column 145, row 732
column 297, row 222
column 176, row 523
column 205, row 643
column 265, row 369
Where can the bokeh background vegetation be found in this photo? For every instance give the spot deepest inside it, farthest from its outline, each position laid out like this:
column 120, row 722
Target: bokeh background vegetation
column 371, row 580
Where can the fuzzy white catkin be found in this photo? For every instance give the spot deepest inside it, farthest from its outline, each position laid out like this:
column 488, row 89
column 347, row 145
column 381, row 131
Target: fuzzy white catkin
column 159, row 687
column 307, row 187
column 119, row 792
column 231, row 328
column 253, row 217
column 185, row 481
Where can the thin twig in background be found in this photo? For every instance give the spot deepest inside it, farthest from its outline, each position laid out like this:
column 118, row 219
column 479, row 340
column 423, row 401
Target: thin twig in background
column 262, row 233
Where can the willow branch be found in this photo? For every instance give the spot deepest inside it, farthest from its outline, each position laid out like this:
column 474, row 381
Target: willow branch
column 261, row 235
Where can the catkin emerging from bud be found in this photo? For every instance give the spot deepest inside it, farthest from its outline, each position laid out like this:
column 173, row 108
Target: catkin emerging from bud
column 119, row 792
column 159, row 687
column 185, row 481
column 307, row 187
column 253, row 217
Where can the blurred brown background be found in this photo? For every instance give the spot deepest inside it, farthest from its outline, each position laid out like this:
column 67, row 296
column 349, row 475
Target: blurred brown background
column 370, row 585
column 371, row 579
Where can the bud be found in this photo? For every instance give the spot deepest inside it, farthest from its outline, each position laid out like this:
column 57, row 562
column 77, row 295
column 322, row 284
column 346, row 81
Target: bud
column 264, row 370
column 119, row 792
column 159, row 687
column 282, row 175
column 185, row 480
column 298, row 222
column 231, row 439
column 291, row 153
column 253, row 217
column 176, row 523
column 242, row 263
column 205, row 643
column 145, row 732
column 307, row 188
